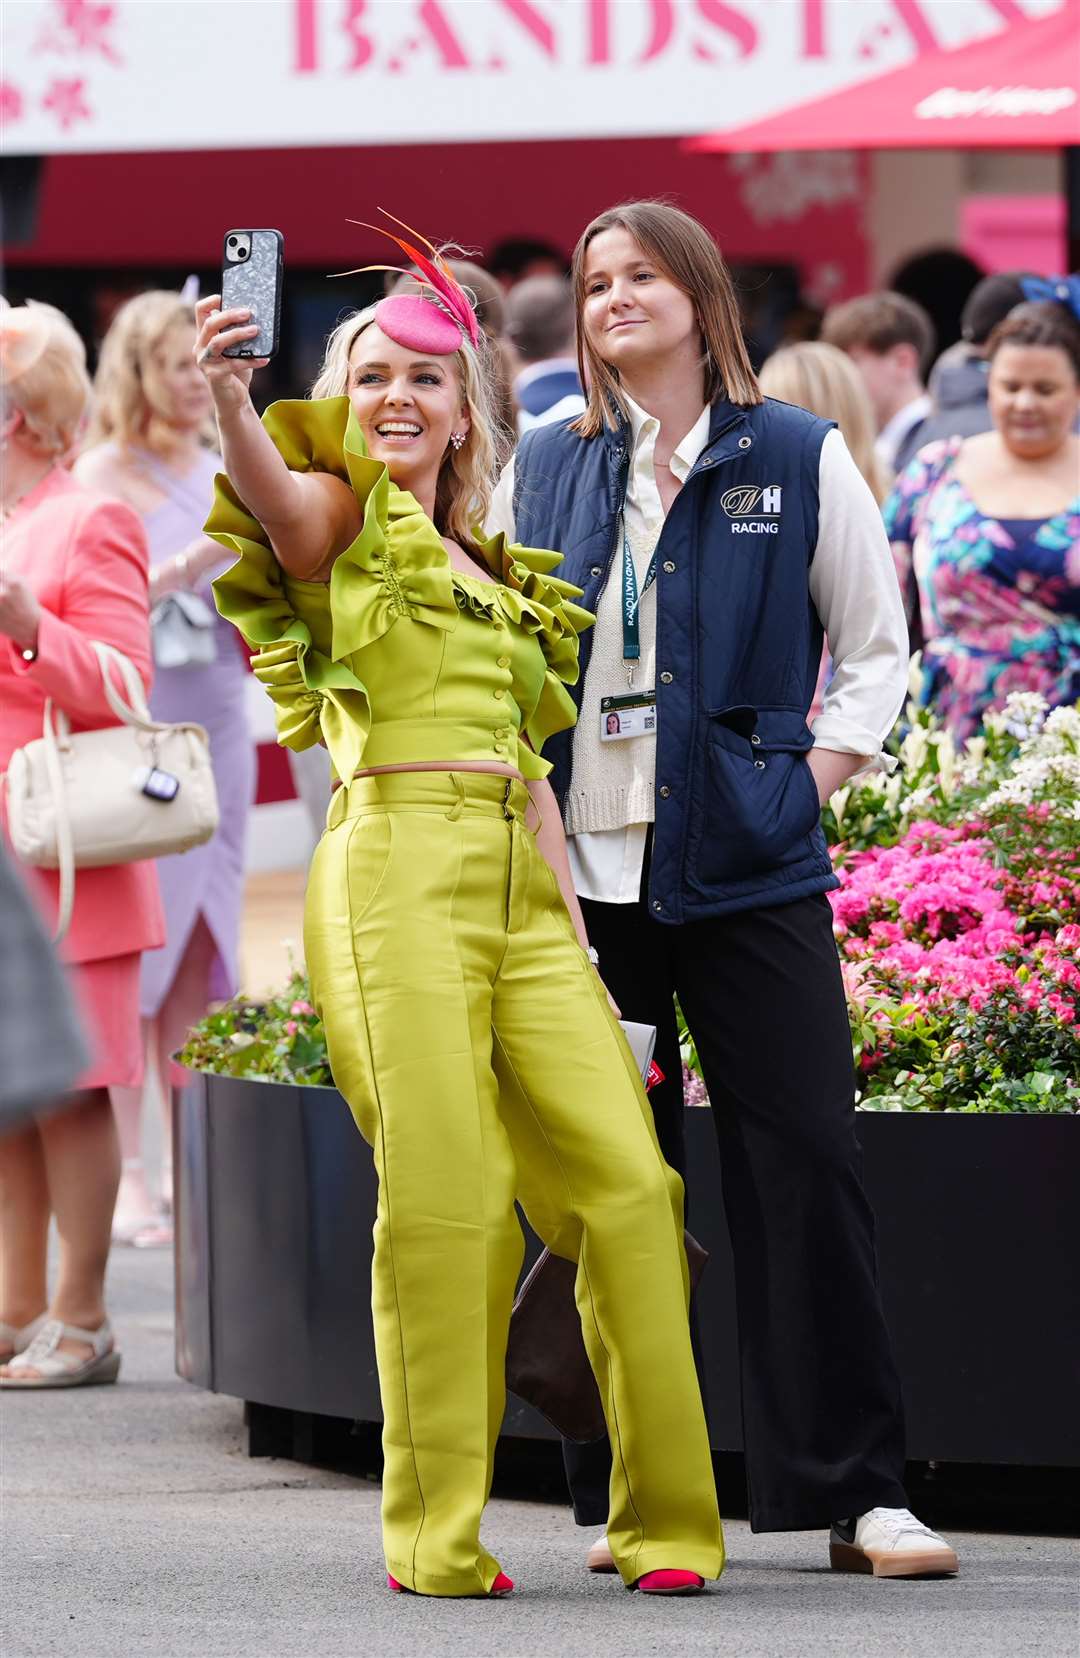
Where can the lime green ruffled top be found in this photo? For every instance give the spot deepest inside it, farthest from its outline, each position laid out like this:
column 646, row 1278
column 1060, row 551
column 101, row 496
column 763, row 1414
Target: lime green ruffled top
column 483, row 665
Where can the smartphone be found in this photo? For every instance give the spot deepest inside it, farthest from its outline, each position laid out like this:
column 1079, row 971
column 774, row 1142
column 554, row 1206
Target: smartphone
column 252, row 275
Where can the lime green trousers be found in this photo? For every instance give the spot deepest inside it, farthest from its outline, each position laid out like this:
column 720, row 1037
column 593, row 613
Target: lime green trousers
column 477, row 1051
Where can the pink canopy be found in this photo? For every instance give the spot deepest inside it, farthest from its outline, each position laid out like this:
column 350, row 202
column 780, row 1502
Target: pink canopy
column 1018, row 89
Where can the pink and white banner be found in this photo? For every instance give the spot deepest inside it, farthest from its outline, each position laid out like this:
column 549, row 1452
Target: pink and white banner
column 115, row 75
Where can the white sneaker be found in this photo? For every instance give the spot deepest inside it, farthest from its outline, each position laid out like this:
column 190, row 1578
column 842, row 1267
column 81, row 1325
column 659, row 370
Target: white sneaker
column 890, row 1542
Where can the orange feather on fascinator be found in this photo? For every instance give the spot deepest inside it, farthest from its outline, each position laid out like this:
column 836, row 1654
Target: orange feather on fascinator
column 24, row 335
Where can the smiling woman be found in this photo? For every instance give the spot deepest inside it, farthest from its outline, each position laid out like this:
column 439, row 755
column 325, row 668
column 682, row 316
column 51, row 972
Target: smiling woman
column 991, row 526
column 443, row 938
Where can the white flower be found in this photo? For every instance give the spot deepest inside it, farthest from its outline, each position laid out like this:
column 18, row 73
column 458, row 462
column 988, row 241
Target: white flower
column 914, row 748
column 946, row 762
column 915, row 677
column 838, row 802
column 1025, row 712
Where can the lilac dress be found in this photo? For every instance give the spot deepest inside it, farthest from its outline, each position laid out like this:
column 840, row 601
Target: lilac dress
column 208, row 880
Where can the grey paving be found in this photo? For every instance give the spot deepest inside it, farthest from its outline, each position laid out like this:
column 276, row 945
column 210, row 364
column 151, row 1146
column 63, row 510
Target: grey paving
column 135, row 1526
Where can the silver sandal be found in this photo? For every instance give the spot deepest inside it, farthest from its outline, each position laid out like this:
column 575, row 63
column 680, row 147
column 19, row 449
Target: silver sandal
column 62, row 1369
column 18, row 1337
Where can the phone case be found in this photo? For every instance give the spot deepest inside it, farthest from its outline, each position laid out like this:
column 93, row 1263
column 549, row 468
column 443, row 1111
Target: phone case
column 254, row 281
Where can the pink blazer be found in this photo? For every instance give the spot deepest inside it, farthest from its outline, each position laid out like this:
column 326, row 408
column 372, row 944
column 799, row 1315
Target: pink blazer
column 85, row 558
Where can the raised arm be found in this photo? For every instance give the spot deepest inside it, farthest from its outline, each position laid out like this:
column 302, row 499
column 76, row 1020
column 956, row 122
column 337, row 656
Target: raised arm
column 310, row 517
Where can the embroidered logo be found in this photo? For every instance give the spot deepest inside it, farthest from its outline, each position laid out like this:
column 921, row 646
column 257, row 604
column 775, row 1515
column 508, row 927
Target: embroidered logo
column 754, row 509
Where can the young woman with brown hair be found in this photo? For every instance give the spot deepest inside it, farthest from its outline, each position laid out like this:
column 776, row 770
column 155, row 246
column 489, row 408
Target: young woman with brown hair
column 719, row 536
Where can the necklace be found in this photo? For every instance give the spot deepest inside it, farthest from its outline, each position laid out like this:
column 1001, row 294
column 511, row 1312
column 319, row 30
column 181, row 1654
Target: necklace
column 9, row 507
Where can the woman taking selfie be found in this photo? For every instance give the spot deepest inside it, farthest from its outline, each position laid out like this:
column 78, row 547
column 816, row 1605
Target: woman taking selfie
column 718, row 535
column 442, row 936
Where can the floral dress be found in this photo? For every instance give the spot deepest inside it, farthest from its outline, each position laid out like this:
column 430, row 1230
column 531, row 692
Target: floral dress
column 1000, row 601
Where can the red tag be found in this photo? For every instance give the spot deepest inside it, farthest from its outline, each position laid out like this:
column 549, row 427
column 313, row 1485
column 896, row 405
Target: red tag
column 655, row 1075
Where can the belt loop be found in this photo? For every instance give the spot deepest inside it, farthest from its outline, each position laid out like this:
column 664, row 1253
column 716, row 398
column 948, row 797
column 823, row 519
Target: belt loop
column 459, row 804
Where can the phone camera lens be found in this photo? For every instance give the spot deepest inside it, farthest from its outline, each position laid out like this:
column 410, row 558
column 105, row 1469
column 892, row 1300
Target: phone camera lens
column 232, row 241
column 243, row 254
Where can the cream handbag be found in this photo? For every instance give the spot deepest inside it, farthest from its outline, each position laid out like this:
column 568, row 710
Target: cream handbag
column 138, row 790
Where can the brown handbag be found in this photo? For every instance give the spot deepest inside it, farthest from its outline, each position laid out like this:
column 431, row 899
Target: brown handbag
column 546, row 1362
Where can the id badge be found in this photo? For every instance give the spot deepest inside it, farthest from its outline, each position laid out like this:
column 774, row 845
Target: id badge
column 633, row 715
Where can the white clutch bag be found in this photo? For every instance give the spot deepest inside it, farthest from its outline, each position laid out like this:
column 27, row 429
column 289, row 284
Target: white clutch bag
column 138, row 790
column 642, row 1040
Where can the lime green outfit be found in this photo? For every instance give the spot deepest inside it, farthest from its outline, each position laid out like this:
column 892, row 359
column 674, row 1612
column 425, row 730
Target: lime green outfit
column 466, row 1027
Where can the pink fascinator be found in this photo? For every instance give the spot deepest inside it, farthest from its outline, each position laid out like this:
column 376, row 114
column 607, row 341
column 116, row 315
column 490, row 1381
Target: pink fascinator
column 434, row 320
column 24, row 335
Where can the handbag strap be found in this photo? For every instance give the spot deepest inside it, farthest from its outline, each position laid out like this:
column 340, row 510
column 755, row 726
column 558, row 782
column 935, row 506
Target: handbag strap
column 65, row 849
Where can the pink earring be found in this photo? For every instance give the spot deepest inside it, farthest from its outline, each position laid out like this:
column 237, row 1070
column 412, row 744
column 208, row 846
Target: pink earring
column 457, row 439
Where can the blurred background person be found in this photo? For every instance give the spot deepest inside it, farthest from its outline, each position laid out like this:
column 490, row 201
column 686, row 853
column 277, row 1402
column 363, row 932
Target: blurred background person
column 959, row 382
column 939, row 281
column 74, row 571
column 890, row 340
column 824, row 380
column 991, row 524
column 40, row 1037
column 516, row 258
column 540, row 328
column 148, row 444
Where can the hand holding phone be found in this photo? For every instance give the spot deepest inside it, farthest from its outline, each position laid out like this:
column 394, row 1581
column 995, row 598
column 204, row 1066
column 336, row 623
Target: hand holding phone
column 238, row 329
column 251, row 279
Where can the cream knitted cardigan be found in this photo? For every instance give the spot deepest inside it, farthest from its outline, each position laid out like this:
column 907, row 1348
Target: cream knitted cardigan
column 612, row 783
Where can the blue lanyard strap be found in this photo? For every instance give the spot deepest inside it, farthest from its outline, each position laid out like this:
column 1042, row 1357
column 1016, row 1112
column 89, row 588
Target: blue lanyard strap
column 631, row 600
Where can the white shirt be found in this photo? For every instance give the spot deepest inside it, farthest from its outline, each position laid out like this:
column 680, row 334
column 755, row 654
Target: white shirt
column 855, row 591
column 890, row 439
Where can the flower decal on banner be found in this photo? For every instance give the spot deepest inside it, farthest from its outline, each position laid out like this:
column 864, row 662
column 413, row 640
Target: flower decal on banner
column 784, row 186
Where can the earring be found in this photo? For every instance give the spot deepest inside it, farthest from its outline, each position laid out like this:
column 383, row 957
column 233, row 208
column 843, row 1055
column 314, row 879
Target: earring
column 457, row 439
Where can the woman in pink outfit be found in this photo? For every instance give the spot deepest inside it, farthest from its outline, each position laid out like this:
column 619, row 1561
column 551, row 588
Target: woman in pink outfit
column 73, row 570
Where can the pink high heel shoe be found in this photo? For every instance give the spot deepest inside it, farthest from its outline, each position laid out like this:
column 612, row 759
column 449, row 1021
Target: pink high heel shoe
column 501, row 1586
column 670, row 1583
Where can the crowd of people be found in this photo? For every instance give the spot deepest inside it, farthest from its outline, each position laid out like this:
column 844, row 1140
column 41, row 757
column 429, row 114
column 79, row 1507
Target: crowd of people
column 486, row 820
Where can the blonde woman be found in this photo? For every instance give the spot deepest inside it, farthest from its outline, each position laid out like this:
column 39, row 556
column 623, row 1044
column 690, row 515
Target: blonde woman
column 467, row 1027
column 148, row 444
column 823, row 379
column 73, row 570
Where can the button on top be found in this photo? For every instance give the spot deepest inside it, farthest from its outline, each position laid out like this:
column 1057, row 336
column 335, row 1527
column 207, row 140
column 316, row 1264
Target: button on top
column 755, row 738
column 669, row 567
column 664, row 790
column 759, row 765
column 595, row 571
column 666, row 678
column 504, row 662
column 656, row 904
column 500, row 692
column 744, row 443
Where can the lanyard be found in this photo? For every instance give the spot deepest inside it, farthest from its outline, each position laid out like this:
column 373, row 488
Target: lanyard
column 631, row 604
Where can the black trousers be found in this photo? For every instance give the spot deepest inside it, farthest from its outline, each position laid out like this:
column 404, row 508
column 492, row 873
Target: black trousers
column 762, row 994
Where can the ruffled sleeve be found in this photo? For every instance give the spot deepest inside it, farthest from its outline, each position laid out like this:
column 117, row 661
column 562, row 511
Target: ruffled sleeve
column 301, row 631
column 545, row 606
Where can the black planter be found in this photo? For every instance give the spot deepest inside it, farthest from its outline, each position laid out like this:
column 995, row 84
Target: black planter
column 978, row 1237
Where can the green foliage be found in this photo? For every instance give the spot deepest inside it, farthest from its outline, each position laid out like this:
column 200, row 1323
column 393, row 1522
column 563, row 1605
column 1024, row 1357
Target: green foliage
column 279, row 1040
column 1017, row 787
